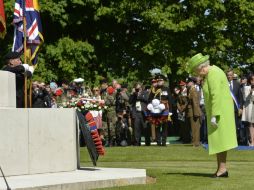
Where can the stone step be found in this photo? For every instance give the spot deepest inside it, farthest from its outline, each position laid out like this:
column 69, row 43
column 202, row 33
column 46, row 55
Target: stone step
column 86, row 178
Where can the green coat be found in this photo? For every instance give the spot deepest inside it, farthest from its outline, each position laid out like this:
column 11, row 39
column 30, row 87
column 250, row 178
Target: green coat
column 219, row 103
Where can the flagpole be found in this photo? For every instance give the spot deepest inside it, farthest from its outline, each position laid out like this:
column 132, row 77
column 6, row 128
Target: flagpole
column 30, row 93
column 31, row 90
column 25, row 58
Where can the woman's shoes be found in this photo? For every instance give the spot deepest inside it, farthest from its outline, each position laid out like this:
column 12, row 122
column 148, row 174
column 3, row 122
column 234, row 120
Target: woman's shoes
column 225, row 174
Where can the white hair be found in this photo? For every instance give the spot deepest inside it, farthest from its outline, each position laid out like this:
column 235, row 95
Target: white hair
column 205, row 64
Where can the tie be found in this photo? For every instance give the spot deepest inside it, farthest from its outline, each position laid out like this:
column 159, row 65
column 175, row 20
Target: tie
column 231, row 86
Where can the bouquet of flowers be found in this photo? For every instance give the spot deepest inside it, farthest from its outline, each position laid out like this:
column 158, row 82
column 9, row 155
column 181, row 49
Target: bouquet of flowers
column 92, row 104
column 86, row 103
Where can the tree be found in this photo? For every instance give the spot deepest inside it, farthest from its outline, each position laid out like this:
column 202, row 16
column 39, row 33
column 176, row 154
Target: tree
column 125, row 39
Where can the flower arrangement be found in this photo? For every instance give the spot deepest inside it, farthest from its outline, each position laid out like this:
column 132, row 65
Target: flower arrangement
column 86, row 103
column 92, row 105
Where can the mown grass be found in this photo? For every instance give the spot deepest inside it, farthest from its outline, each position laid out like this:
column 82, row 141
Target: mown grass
column 179, row 167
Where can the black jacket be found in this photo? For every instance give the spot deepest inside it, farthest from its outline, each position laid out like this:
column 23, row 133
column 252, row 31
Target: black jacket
column 142, row 97
column 41, row 99
column 238, row 94
column 20, row 73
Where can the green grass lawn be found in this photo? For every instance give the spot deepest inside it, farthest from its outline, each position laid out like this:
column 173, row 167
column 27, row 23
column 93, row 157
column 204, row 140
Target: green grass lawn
column 179, row 167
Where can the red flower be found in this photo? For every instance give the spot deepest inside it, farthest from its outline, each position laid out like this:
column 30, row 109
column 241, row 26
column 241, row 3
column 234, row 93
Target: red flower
column 58, row 92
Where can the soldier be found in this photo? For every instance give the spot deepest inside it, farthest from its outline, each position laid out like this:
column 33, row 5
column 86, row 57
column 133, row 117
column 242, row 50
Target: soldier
column 182, row 102
column 152, row 92
column 104, row 86
column 162, row 93
column 109, row 116
column 193, row 111
column 123, row 129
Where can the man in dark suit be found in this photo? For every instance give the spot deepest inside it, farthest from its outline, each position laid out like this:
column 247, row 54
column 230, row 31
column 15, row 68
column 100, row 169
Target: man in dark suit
column 14, row 65
column 237, row 96
column 138, row 101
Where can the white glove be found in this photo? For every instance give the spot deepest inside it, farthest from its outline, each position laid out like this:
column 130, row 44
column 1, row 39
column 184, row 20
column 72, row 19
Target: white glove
column 26, row 66
column 31, row 69
column 214, row 122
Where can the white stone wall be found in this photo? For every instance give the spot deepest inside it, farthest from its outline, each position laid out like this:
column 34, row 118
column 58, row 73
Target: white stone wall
column 7, row 89
column 37, row 141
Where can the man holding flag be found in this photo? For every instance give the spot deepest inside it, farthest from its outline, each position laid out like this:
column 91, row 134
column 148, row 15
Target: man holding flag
column 27, row 39
column 14, row 65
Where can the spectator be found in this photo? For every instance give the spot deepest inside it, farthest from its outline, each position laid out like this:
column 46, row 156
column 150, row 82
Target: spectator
column 79, row 88
column 248, row 107
column 41, row 98
column 122, row 99
column 237, row 96
column 138, row 101
column 96, row 93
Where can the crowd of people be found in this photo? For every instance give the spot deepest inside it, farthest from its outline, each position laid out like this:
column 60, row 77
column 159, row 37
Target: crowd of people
column 131, row 111
column 126, row 113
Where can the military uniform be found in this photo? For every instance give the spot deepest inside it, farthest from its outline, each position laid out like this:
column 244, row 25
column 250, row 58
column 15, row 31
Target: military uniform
column 193, row 114
column 109, row 118
column 163, row 94
column 184, row 131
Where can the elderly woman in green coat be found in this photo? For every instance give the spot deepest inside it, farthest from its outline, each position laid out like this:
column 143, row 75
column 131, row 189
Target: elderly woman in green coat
column 219, row 109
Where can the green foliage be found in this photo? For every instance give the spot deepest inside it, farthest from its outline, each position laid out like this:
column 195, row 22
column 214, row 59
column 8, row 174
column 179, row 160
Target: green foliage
column 125, row 39
column 68, row 59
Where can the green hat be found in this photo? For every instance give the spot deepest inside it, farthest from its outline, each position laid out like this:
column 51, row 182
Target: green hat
column 195, row 61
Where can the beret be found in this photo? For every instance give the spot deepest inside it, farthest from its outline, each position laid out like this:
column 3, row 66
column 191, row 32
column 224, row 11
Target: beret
column 12, row 55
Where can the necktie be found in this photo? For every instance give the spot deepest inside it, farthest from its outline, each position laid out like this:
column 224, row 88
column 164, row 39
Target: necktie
column 231, row 86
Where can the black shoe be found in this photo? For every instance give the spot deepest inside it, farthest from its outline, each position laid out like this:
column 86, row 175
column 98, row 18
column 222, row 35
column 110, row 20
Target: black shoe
column 225, row 174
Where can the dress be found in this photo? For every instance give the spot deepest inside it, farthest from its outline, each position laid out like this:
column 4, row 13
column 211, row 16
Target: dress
column 248, row 107
column 219, row 103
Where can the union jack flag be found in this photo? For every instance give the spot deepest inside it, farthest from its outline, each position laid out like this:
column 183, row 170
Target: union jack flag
column 28, row 9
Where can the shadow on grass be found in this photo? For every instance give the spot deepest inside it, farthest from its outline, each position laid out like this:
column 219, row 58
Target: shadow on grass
column 192, row 174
